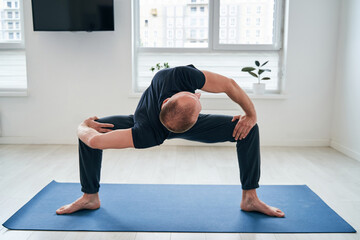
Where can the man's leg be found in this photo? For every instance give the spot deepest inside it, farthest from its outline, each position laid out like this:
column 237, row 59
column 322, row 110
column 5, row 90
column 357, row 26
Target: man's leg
column 219, row 128
column 90, row 168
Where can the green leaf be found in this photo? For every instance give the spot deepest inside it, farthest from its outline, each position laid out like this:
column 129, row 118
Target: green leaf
column 267, row 70
column 248, row 69
column 253, row 74
column 264, row 63
column 257, row 63
column 152, row 69
column 265, row 78
column 260, row 71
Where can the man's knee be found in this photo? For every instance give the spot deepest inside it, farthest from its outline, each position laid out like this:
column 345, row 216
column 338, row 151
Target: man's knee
column 253, row 133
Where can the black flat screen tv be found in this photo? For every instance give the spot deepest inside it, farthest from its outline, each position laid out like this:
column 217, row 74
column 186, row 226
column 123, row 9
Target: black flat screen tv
column 73, row 15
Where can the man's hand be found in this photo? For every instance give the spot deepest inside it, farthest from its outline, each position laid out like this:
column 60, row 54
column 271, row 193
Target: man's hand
column 99, row 127
column 243, row 127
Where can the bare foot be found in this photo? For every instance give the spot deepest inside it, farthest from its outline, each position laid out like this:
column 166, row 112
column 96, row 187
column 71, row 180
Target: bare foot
column 251, row 203
column 87, row 201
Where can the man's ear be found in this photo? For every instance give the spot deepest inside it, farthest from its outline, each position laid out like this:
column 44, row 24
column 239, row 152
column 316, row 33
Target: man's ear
column 165, row 101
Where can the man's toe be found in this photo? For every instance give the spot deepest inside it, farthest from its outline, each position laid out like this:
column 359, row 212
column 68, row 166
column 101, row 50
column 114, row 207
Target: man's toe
column 61, row 210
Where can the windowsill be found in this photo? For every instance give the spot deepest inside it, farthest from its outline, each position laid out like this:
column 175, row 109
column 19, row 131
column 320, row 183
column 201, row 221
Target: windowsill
column 266, row 96
column 11, row 93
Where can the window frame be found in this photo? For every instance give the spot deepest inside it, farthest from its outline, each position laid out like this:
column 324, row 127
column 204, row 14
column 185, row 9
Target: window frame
column 21, row 44
column 213, row 46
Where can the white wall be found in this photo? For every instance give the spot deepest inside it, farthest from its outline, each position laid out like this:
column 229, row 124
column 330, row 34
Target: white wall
column 346, row 116
column 75, row 75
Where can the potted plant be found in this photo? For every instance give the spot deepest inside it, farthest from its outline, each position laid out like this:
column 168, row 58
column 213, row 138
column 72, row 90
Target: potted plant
column 258, row 88
column 158, row 66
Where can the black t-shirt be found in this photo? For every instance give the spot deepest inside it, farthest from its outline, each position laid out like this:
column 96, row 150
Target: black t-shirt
column 148, row 131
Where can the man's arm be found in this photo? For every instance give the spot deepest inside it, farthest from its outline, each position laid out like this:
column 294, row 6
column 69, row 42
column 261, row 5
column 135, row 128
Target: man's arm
column 96, row 135
column 216, row 83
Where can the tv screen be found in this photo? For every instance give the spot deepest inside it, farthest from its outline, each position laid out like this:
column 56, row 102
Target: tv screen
column 73, row 15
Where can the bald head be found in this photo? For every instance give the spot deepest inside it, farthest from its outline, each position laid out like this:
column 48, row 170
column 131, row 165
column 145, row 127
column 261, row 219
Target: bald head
column 180, row 112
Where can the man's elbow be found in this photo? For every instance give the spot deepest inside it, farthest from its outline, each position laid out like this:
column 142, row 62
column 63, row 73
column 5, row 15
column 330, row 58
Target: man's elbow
column 95, row 142
column 230, row 86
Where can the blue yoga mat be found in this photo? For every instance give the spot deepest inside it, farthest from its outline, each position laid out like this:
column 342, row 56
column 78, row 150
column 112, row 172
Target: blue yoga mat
column 178, row 208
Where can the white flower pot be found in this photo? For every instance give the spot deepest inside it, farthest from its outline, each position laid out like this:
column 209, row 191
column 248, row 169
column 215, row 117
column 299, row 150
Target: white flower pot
column 259, row 88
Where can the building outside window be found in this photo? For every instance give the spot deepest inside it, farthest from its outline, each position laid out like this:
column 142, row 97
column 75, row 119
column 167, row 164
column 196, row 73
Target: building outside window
column 248, row 9
column 258, row 21
column 258, row 9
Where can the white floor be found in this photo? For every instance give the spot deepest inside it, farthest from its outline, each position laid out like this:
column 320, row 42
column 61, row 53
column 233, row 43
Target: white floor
column 26, row 169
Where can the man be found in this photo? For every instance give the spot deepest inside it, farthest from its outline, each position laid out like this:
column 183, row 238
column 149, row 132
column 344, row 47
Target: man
column 170, row 108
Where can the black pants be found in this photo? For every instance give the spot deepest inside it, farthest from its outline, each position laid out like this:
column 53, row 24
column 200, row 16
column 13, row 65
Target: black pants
column 208, row 129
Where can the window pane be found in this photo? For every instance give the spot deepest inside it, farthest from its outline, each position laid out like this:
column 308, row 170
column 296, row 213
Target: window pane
column 9, row 22
column 246, row 21
column 174, row 23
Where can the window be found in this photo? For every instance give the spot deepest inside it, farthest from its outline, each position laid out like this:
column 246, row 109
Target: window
column 223, row 10
column 219, row 35
column 223, row 22
column 192, row 34
column 258, row 21
column 170, row 34
column 258, row 9
column 170, row 22
column 12, row 53
column 232, row 10
column 232, row 22
column 170, row 11
column 179, row 22
column 248, row 9
column 179, row 11
column 193, row 22
column 179, row 34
